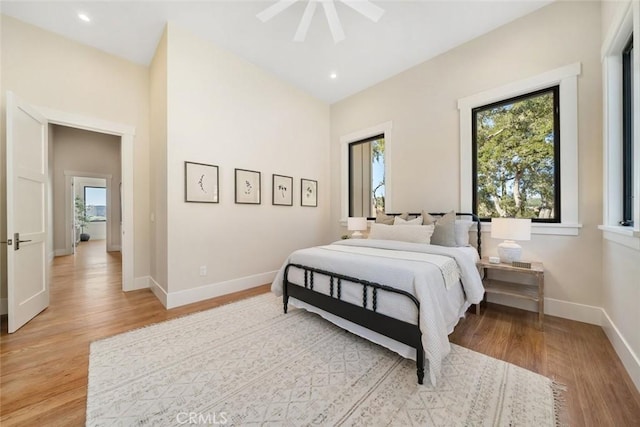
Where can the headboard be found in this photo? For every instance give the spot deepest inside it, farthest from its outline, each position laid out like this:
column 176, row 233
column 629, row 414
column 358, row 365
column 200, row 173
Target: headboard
column 475, row 218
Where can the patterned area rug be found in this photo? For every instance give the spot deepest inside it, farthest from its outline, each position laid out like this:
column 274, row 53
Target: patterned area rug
column 247, row 363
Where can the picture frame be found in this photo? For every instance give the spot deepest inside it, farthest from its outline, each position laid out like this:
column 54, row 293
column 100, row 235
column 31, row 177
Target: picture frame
column 308, row 192
column 248, row 187
column 282, row 190
column 201, row 183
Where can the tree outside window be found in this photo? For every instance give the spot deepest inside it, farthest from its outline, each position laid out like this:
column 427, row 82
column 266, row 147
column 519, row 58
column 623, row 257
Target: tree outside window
column 516, row 157
column 367, row 177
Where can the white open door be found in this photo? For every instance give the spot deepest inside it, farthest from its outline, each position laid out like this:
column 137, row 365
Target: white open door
column 27, row 268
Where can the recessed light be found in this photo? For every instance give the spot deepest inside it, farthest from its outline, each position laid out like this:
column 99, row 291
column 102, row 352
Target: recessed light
column 333, row 75
column 84, row 17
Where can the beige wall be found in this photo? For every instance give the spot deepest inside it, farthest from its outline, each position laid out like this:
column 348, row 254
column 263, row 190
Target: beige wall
column 158, row 155
column 422, row 104
column 47, row 70
column 227, row 112
column 621, row 267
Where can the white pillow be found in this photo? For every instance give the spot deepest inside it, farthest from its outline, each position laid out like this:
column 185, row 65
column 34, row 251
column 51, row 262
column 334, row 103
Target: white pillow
column 462, row 232
column 401, row 221
column 408, row 233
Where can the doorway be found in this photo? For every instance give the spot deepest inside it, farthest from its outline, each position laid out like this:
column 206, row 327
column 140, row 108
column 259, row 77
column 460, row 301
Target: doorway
column 92, row 212
column 125, row 134
column 32, row 124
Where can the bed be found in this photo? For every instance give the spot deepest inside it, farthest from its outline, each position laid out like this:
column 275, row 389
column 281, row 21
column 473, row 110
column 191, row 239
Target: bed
column 403, row 295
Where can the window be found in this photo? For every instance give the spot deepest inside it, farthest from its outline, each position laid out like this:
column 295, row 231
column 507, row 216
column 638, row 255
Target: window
column 566, row 78
column 516, row 157
column 95, row 201
column 627, row 134
column 366, row 177
column 378, row 197
column 621, row 92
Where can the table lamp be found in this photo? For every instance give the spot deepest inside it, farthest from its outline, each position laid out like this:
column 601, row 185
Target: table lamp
column 510, row 229
column 357, row 225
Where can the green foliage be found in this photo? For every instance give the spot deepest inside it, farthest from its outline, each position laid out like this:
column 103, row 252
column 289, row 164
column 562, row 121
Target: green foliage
column 377, row 150
column 82, row 219
column 377, row 154
column 515, row 159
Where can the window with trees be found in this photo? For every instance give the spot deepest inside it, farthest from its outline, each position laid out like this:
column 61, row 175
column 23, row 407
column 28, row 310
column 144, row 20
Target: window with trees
column 367, row 177
column 95, row 201
column 627, row 134
column 516, row 157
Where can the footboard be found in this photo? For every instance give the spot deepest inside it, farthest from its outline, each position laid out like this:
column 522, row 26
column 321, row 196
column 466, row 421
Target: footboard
column 398, row 330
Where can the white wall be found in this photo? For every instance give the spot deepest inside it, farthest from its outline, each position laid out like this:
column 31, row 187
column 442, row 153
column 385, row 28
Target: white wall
column 621, row 266
column 158, row 153
column 422, row 104
column 48, row 70
column 238, row 116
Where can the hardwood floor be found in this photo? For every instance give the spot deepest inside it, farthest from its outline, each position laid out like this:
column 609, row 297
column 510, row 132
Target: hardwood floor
column 574, row 354
column 43, row 378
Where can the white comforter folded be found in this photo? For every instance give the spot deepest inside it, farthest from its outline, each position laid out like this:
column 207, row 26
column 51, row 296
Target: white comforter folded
column 422, row 279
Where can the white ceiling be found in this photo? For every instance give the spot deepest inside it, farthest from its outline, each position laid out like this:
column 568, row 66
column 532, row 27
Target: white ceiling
column 408, row 33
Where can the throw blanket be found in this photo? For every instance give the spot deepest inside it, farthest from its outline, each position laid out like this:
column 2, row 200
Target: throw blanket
column 422, row 279
column 447, row 266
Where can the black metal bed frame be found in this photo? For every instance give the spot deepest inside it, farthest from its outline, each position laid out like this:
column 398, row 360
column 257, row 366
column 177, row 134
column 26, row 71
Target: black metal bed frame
column 398, row 330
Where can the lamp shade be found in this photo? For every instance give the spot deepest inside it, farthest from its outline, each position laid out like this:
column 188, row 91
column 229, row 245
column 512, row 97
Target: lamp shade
column 356, row 223
column 511, row 228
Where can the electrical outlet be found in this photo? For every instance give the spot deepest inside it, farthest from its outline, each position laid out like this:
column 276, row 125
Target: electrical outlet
column 203, row 270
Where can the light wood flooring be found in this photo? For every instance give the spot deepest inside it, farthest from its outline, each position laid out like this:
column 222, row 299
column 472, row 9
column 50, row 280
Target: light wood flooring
column 43, row 366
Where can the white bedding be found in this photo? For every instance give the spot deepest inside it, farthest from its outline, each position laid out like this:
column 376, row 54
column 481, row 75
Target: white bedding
column 440, row 308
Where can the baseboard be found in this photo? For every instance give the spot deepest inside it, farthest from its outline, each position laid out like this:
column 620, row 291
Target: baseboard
column 180, row 298
column 113, row 248
column 626, row 354
column 573, row 311
column 554, row 307
column 157, row 290
column 4, row 306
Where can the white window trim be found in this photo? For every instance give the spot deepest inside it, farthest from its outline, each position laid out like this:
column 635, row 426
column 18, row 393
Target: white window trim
column 567, row 78
column 626, row 22
column 383, row 128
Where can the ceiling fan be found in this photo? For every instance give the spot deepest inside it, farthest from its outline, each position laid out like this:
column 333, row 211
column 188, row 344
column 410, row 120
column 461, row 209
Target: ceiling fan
column 364, row 7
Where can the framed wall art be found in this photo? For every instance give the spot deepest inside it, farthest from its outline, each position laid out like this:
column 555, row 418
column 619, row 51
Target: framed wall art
column 282, row 190
column 308, row 192
column 201, row 183
column 247, row 187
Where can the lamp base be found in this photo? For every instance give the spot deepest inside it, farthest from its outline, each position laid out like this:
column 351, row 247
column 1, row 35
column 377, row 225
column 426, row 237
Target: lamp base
column 357, row 235
column 509, row 251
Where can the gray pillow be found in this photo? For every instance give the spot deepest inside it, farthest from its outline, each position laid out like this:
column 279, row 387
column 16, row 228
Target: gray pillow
column 388, row 219
column 445, row 229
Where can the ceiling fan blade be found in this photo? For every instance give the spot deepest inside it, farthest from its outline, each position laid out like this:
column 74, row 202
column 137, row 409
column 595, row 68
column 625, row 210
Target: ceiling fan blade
column 303, row 27
column 333, row 20
column 274, row 9
column 366, row 8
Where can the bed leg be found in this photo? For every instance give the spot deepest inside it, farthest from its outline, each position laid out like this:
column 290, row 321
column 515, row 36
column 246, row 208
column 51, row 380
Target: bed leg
column 285, row 302
column 420, row 365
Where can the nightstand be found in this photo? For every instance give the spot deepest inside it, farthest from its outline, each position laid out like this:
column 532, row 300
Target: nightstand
column 533, row 292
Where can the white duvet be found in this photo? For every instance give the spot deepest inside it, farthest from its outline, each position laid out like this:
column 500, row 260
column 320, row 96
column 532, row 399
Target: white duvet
column 399, row 265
